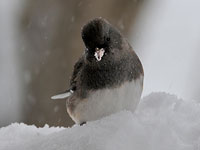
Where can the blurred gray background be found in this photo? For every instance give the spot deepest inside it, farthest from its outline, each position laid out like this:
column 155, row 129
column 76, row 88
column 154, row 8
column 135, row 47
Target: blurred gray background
column 40, row 42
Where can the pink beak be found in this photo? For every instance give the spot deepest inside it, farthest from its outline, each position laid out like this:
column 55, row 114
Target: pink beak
column 99, row 53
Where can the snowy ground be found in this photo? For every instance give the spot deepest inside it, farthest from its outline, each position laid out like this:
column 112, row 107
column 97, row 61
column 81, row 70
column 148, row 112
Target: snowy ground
column 161, row 122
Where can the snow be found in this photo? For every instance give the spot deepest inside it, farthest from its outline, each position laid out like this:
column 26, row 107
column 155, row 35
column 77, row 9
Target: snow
column 161, row 122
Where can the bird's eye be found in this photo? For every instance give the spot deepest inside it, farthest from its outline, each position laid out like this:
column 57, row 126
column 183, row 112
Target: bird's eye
column 108, row 39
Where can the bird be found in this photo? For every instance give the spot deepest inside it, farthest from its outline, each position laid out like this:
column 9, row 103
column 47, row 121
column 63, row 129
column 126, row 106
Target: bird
column 107, row 78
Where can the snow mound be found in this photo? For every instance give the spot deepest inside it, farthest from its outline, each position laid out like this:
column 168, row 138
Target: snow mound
column 161, row 122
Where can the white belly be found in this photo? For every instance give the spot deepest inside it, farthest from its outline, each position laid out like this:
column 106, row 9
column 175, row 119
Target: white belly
column 108, row 101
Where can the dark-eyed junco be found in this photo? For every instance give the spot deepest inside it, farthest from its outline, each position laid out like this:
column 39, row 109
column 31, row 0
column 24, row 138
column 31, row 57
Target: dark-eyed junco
column 107, row 78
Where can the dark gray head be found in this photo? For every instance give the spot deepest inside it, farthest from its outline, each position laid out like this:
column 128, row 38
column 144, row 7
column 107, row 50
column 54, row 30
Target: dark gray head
column 100, row 39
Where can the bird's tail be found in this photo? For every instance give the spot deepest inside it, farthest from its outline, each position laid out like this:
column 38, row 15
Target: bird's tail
column 62, row 95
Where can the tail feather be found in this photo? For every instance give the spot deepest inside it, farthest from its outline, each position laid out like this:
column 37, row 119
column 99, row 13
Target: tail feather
column 62, row 95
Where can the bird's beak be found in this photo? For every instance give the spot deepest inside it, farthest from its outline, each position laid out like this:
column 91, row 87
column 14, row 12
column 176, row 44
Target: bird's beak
column 99, row 53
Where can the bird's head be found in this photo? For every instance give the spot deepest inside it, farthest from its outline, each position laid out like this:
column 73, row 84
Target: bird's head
column 101, row 40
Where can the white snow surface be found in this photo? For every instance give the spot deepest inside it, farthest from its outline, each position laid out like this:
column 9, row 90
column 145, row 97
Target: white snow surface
column 161, row 122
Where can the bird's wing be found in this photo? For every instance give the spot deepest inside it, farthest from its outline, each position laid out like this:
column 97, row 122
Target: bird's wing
column 73, row 82
column 76, row 74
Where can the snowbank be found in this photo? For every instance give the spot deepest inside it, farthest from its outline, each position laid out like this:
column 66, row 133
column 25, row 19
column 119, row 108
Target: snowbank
column 161, row 122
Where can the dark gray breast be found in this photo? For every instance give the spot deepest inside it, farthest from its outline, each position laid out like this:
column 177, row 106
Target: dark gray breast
column 111, row 74
column 108, row 73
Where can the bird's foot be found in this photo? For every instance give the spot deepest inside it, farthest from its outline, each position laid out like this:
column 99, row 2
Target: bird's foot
column 82, row 123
